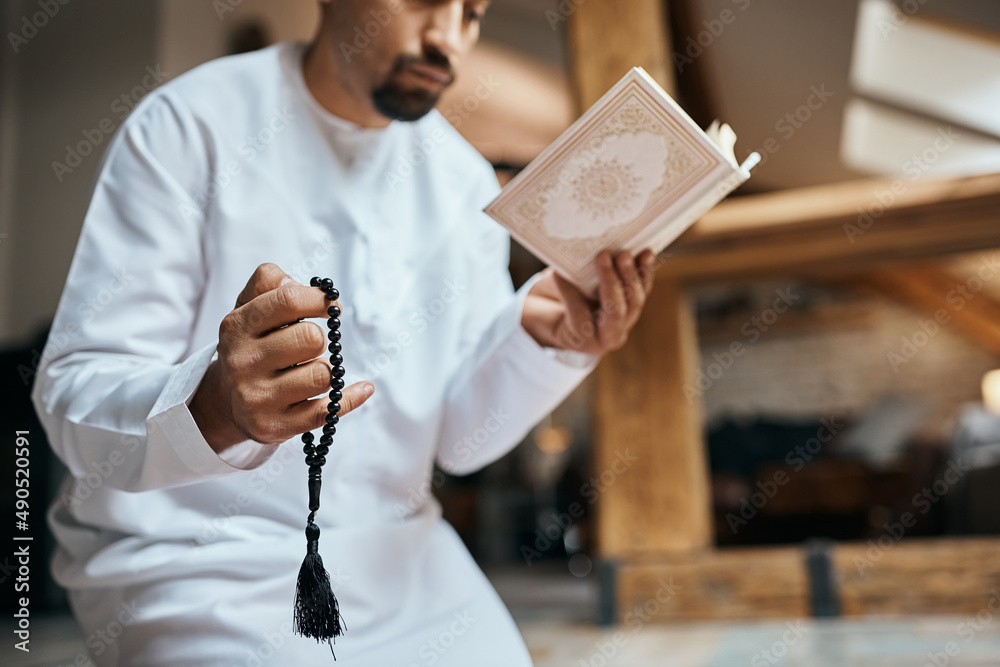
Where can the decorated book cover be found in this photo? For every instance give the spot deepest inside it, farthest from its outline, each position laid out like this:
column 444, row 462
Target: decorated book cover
column 633, row 172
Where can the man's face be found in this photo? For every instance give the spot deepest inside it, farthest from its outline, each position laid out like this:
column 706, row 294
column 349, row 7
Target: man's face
column 400, row 55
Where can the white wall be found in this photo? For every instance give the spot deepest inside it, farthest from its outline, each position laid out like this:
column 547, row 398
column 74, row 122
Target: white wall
column 191, row 32
column 63, row 82
column 65, row 77
column 9, row 13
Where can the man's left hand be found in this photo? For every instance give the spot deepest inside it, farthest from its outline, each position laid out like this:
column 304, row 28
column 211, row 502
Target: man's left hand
column 557, row 314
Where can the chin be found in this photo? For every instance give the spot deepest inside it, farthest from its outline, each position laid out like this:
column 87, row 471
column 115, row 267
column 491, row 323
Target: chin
column 405, row 107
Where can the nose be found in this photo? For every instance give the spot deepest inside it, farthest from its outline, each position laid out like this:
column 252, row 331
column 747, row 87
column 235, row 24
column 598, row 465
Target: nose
column 444, row 29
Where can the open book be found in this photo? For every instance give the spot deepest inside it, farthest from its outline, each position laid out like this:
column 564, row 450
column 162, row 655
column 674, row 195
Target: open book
column 633, row 172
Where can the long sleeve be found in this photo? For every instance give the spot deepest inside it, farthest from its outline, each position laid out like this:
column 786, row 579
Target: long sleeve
column 117, row 372
column 506, row 382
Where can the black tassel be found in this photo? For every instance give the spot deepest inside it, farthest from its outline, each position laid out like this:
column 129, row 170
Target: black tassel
column 317, row 613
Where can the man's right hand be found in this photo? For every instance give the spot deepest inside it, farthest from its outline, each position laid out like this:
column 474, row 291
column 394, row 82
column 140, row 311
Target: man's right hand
column 269, row 366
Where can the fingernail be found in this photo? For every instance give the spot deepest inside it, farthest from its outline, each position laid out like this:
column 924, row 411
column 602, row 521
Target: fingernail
column 288, row 279
column 369, row 389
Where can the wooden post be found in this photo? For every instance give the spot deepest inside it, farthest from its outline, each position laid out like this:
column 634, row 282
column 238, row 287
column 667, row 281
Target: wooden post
column 660, row 504
column 607, row 39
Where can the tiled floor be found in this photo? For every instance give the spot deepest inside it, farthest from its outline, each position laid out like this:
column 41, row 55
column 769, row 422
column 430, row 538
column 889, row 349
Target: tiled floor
column 554, row 613
column 912, row 642
column 840, row 643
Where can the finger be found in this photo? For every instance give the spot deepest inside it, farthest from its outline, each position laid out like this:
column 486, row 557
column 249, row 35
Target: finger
column 613, row 308
column 299, row 383
column 626, row 265
column 647, row 269
column 265, row 278
column 295, row 344
column 310, row 415
column 283, row 306
column 580, row 332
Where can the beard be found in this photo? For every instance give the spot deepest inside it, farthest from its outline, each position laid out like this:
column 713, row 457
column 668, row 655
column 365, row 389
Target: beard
column 395, row 101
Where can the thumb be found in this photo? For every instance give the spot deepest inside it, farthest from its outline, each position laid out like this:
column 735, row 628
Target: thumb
column 265, row 278
column 354, row 397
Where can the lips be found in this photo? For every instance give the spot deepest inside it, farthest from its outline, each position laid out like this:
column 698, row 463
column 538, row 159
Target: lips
column 430, row 73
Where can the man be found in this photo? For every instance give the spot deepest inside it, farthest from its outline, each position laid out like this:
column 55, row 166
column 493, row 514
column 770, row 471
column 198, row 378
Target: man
column 181, row 532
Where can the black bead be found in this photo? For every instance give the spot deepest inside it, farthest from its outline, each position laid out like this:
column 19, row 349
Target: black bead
column 315, row 282
column 315, row 469
column 334, row 348
column 329, row 429
column 308, row 449
column 326, row 283
column 333, row 335
column 333, row 311
column 336, row 360
column 333, row 294
column 310, row 459
column 307, row 437
column 326, row 440
column 336, row 383
column 331, row 419
column 338, row 371
column 333, row 404
column 334, row 408
column 333, row 323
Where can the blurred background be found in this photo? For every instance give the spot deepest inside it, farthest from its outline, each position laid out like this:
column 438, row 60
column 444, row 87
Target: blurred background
column 807, row 423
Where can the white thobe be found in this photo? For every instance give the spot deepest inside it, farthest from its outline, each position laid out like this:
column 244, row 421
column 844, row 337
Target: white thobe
column 175, row 555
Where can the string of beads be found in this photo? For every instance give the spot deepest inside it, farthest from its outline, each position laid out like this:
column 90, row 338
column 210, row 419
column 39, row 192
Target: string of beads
column 316, row 455
column 317, row 612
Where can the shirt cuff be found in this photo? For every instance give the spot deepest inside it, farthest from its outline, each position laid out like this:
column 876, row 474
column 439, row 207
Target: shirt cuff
column 171, row 420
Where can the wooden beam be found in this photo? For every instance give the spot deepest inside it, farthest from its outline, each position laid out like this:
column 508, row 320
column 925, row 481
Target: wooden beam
column 917, row 576
column 660, row 504
column 607, row 39
column 729, row 584
column 945, row 298
column 891, row 577
column 838, row 228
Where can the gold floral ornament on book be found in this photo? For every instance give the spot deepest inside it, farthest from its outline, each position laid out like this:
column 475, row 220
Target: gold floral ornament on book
column 604, row 189
column 633, row 172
